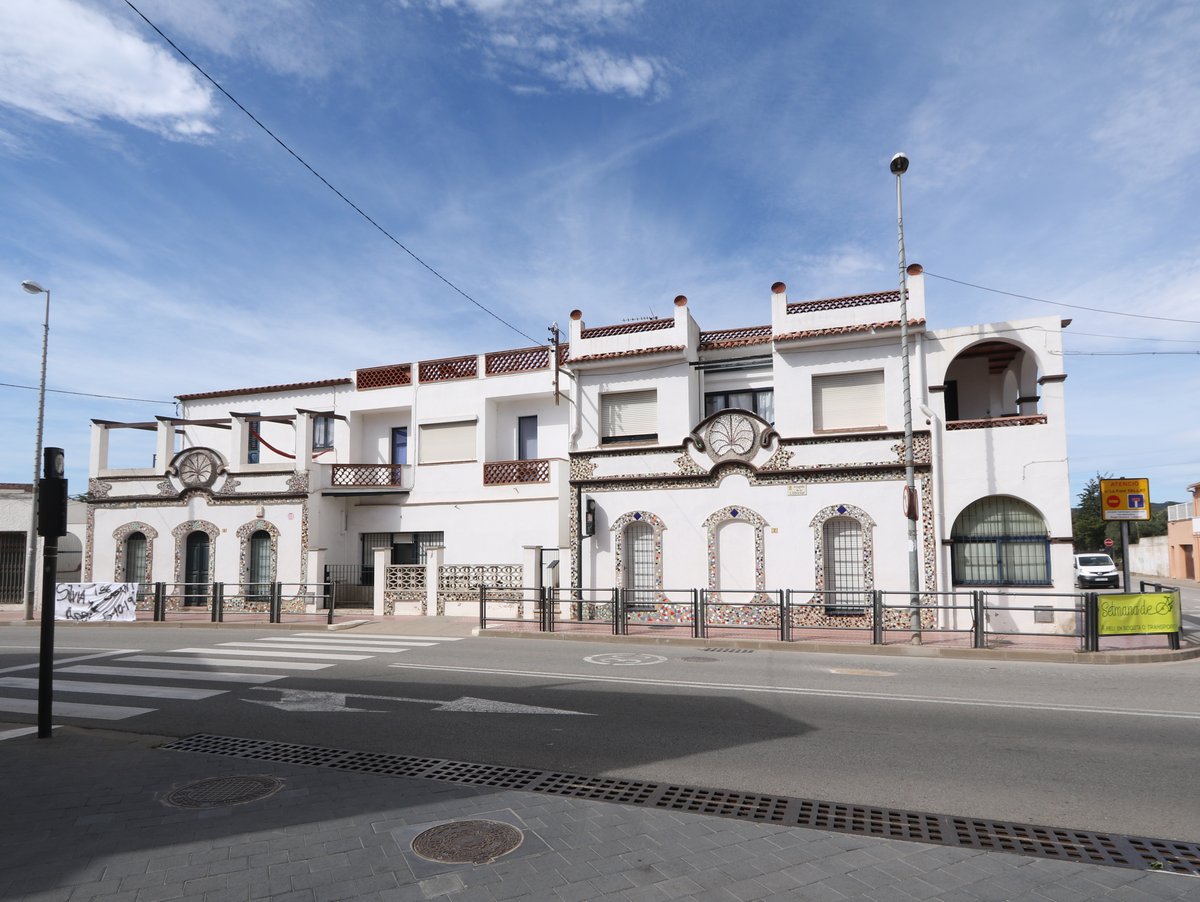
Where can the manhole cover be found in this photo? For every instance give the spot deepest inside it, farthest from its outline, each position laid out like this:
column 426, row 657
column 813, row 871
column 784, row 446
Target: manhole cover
column 216, row 792
column 699, row 660
column 463, row 842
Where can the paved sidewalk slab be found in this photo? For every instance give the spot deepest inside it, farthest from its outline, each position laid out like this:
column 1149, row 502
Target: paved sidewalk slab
column 84, row 817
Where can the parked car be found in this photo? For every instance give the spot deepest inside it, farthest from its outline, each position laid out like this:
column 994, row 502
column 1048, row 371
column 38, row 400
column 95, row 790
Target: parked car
column 1095, row 570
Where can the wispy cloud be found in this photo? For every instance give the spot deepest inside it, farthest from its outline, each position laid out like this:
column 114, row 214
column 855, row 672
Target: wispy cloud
column 561, row 44
column 70, row 63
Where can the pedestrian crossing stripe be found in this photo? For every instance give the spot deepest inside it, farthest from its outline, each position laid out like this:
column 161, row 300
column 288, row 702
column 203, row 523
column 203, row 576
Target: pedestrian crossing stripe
column 213, row 661
column 323, row 646
column 96, row 688
column 162, row 673
column 73, row 709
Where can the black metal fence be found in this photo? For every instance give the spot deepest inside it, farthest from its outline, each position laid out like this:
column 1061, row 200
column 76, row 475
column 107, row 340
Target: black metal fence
column 228, row 602
column 355, row 584
column 12, row 567
column 974, row 619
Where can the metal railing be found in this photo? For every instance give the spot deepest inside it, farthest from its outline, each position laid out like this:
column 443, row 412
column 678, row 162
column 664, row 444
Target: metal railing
column 274, row 602
column 975, row 619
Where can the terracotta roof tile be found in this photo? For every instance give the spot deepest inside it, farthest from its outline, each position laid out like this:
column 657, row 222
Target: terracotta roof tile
column 646, row 325
column 264, row 390
column 664, row 349
column 734, row 338
column 856, row 300
column 845, row 330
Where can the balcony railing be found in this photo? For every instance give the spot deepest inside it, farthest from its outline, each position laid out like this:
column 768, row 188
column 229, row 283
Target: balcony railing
column 369, row 475
column 1036, row 419
column 512, row 472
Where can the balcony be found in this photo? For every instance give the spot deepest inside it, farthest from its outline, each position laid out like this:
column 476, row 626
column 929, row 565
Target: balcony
column 516, row 472
column 1036, row 419
column 358, row 479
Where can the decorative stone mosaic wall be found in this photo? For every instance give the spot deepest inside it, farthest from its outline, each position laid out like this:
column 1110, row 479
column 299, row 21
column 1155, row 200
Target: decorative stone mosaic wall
column 120, row 535
column 181, row 532
column 734, row 513
column 619, row 555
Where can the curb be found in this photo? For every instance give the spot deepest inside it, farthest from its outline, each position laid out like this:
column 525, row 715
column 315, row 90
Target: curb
column 889, row 651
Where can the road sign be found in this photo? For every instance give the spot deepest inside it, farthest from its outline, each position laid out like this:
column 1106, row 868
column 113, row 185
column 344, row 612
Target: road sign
column 1108, row 543
column 1125, row 499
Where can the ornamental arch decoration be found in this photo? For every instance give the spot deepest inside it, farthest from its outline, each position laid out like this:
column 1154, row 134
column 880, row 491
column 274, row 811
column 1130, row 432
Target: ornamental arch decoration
column 736, row 513
column 865, row 523
column 245, row 533
column 181, row 533
column 121, row 536
column 621, row 553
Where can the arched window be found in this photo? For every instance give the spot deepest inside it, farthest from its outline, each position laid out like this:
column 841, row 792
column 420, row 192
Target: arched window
column 641, row 575
column 845, row 574
column 1000, row 541
column 258, row 575
column 135, row 558
column 196, row 568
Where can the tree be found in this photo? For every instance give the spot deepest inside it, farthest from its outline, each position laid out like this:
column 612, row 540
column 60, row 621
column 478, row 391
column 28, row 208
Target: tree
column 1088, row 528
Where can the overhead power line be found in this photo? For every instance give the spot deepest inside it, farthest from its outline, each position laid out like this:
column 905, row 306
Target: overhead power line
column 299, row 159
column 85, row 394
column 1026, row 297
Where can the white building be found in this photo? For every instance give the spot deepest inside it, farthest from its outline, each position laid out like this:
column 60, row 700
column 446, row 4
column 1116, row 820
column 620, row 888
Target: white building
column 16, row 513
column 753, row 459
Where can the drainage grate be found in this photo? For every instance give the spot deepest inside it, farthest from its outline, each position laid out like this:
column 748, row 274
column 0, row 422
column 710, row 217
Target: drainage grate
column 218, row 792
column 969, row 833
column 732, row 651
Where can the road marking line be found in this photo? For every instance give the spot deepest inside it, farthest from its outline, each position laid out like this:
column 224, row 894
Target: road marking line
column 324, row 646
column 161, row 673
column 94, row 688
column 427, row 640
column 227, row 662
column 823, row 693
column 17, row 733
column 223, row 649
column 74, row 709
column 106, row 654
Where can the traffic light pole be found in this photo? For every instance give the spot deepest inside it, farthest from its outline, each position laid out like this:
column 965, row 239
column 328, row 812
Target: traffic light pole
column 51, row 523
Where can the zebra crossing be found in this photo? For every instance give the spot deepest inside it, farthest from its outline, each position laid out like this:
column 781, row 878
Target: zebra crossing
column 193, row 673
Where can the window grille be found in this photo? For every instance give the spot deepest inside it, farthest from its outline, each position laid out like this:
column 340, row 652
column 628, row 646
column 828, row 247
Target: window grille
column 135, row 558
column 1000, row 541
column 845, row 570
column 259, row 575
column 641, row 574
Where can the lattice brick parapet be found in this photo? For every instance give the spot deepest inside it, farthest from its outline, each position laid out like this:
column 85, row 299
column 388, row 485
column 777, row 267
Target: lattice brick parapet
column 511, row 472
column 384, row 376
column 448, row 368
column 499, row 362
column 995, row 422
column 368, row 475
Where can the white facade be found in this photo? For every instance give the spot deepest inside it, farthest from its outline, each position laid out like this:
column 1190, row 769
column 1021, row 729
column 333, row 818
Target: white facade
column 756, row 459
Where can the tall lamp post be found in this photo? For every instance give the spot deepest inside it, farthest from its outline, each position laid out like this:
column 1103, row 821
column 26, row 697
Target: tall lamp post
column 31, row 562
column 899, row 166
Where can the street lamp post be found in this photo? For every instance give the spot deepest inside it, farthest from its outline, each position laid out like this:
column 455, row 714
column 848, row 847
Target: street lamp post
column 31, row 562
column 899, row 166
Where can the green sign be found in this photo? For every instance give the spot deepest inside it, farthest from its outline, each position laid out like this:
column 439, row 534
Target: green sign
column 1149, row 612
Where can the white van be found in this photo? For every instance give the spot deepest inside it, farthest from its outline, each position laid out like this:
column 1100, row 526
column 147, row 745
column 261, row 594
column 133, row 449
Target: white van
column 1095, row 570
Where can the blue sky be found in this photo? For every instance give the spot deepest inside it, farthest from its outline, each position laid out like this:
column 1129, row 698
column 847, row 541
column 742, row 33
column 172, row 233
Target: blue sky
column 605, row 155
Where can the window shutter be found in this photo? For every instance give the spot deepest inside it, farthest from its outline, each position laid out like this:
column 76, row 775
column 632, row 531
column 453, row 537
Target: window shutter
column 446, row 442
column 629, row 414
column 848, row 401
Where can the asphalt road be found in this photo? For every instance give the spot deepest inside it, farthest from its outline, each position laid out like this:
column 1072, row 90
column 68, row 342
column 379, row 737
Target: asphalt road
column 1106, row 748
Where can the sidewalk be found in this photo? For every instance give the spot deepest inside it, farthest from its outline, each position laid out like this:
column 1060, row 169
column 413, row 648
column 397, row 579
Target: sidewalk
column 85, row 816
